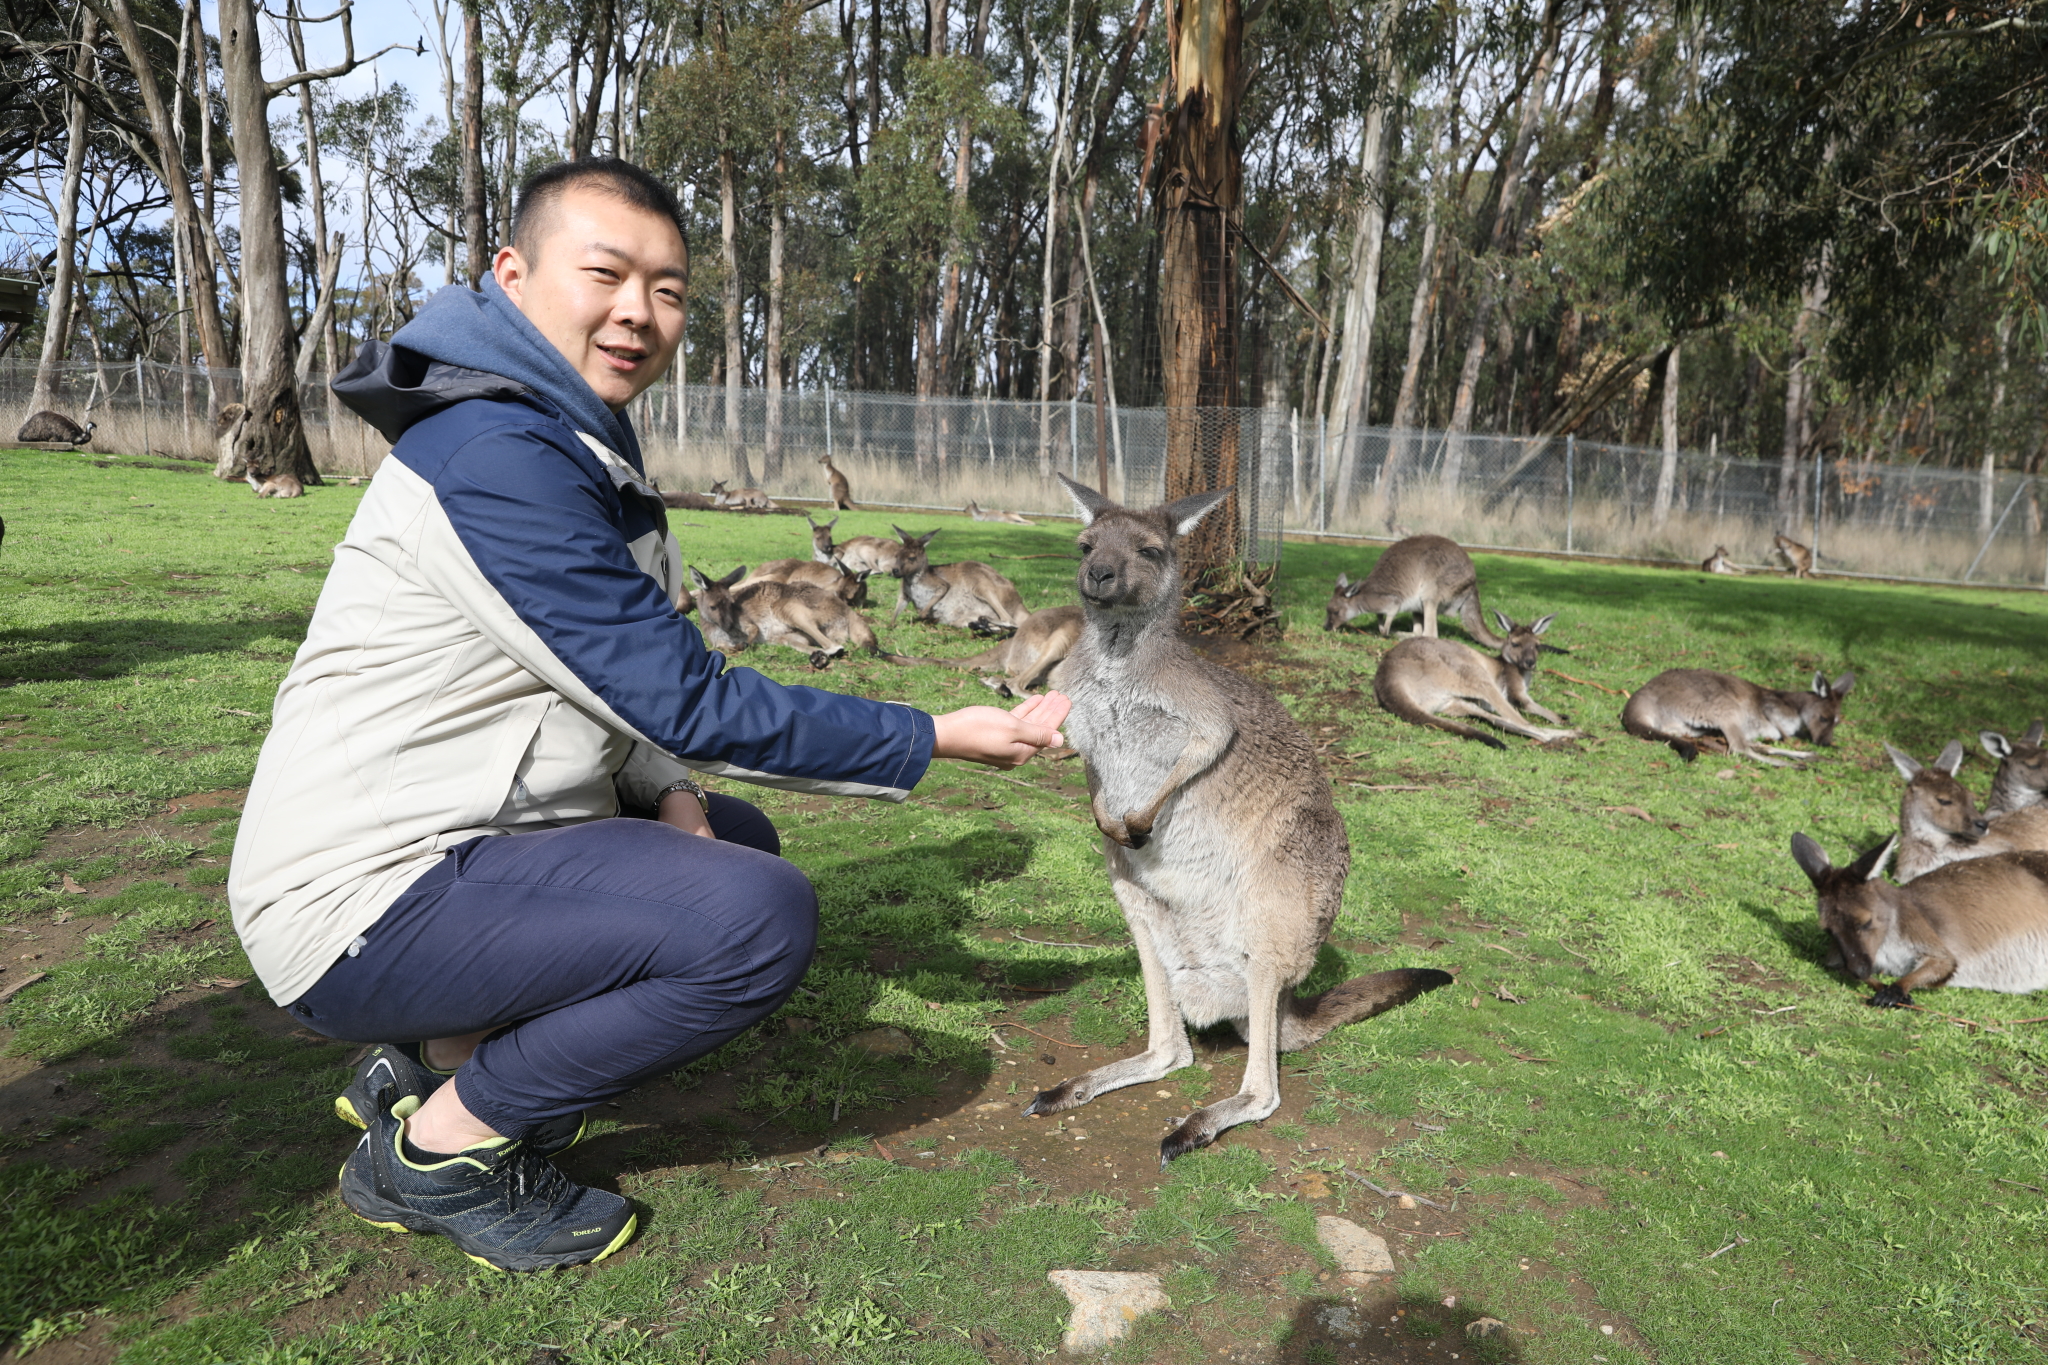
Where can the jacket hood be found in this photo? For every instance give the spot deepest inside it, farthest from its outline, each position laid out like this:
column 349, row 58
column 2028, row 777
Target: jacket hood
column 468, row 344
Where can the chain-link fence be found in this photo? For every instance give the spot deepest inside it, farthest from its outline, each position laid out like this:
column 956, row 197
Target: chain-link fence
column 1505, row 492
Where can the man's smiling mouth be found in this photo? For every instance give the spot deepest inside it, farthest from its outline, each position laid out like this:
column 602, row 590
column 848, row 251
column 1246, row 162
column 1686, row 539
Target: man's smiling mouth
column 623, row 357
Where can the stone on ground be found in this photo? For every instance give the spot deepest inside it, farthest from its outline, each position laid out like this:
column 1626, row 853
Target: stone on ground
column 1358, row 1251
column 1106, row 1303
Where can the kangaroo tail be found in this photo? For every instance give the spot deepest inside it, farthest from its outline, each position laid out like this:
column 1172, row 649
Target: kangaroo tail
column 1306, row 1020
column 1415, row 715
column 1475, row 621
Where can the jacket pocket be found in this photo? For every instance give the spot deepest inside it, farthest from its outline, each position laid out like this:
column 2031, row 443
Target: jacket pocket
column 458, row 778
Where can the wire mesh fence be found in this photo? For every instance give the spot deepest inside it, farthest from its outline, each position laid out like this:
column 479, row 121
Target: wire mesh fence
column 1506, row 492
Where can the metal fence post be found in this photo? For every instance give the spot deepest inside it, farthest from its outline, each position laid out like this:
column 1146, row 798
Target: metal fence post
column 1997, row 526
column 1322, row 481
column 828, row 419
column 1820, row 473
column 142, row 402
column 1571, row 450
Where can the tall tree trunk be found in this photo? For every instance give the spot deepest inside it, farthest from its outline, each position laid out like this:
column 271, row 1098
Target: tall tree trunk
column 217, row 267
column 1056, row 163
column 1994, row 436
column 326, row 251
column 600, row 70
column 57, row 321
column 1667, row 467
column 954, row 353
column 270, row 438
column 1813, row 298
column 1201, row 175
column 475, row 230
column 771, row 342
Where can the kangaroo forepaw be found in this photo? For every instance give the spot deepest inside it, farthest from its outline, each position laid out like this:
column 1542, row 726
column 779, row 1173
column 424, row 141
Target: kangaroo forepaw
column 994, row 630
column 1066, row 1095
column 1891, row 997
column 820, row 660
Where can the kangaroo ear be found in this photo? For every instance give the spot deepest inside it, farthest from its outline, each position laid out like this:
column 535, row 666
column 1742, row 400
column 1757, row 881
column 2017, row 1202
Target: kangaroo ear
column 1185, row 514
column 1840, row 686
column 926, row 538
column 1820, row 684
column 902, row 534
column 1811, row 857
column 1908, row 766
column 735, row 576
column 1871, row 865
column 1995, row 744
column 1089, row 503
column 2033, row 735
column 1500, row 618
column 698, row 580
column 832, row 523
column 1951, row 757
column 1541, row 624
column 1343, row 582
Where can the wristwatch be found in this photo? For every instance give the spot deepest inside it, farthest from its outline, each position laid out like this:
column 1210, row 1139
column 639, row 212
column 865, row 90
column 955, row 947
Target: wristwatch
column 684, row 784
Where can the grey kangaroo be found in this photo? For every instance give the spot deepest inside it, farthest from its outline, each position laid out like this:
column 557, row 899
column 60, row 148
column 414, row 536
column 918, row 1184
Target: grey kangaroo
column 2022, row 778
column 804, row 618
column 861, row 555
column 1224, row 847
column 1683, row 705
column 740, row 499
column 1798, row 558
column 980, row 513
column 850, row 588
column 966, row 593
column 842, row 491
column 1026, row 659
column 1422, row 680
column 1939, row 823
column 1719, row 562
column 1426, row 574
column 1981, row 923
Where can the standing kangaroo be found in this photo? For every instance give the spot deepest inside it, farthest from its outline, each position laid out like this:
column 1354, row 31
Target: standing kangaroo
column 1981, row 923
column 842, row 491
column 1682, row 705
column 2022, row 779
column 1023, row 661
column 1718, row 562
column 1426, row 574
column 1797, row 557
column 797, row 615
column 1224, row 847
column 1939, row 823
column 966, row 593
column 1422, row 680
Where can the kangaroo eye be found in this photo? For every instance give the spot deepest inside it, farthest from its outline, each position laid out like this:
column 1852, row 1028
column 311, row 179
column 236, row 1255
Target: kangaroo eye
column 1944, row 801
column 1153, row 552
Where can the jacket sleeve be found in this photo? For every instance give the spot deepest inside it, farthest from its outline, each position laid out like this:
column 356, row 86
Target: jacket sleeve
column 539, row 564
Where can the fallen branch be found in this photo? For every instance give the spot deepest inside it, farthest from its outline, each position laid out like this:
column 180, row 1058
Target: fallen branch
column 1385, row 1193
column 18, row 987
column 1050, row 943
column 1397, row 787
column 1610, row 691
column 1738, row 1242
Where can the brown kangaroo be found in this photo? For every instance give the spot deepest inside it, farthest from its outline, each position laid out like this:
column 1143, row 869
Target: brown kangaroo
column 1981, row 923
column 1426, row 574
column 1024, row 661
column 851, row 589
column 1718, row 562
column 860, row 555
column 2022, row 778
column 1422, row 680
column 741, row 499
column 1682, row 705
column 842, row 491
column 793, row 614
column 276, row 486
column 967, row 593
column 980, row 513
column 1797, row 557
column 1224, row 847
column 1939, row 823
column 687, row 501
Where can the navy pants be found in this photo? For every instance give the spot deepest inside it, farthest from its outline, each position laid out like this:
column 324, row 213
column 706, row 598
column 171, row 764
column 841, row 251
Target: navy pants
column 603, row 954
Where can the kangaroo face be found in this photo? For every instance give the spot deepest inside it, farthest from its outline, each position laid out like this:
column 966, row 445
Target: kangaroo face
column 2022, row 763
column 1345, row 602
column 915, row 556
column 1126, row 562
column 1856, row 906
column 1821, row 710
column 1935, row 803
column 718, row 616
column 821, row 536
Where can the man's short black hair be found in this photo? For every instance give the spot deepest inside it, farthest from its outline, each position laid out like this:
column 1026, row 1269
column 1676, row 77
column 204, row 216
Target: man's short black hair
column 540, row 191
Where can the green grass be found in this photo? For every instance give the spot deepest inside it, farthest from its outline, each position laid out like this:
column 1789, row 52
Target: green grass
column 1680, row 1077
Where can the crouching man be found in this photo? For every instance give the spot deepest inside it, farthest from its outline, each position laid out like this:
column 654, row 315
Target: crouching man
column 433, row 857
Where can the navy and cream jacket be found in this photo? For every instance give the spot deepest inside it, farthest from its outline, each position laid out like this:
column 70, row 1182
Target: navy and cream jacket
column 498, row 648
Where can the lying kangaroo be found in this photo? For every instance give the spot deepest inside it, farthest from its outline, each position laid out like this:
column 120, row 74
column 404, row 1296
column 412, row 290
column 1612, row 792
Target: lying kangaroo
column 793, row 614
column 1797, row 557
column 1025, row 659
column 1939, row 823
column 1718, row 562
column 2022, row 779
column 849, row 588
column 740, row 499
column 842, row 491
column 1422, row 680
column 276, row 486
column 967, row 593
column 1981, row 923
column 861, row 555
column 1427, row 574
column 687, row 501
column 980, row 513
column 1682, row 705
column 1224, row 847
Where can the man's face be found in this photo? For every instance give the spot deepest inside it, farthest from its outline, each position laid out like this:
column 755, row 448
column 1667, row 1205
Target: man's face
column 605, row 283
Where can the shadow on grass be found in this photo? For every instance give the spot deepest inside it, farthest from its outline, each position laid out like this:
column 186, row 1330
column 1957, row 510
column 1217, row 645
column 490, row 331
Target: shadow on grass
column 113, row 649
column 1325, row 1331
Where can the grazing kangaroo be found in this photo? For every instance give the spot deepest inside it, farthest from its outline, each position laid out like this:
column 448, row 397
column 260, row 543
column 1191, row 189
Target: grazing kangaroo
column 1023, row 661
column 793, row 614
column 1981, row 923
column 980, row 513
column 54, row 428
column 1426, row 574
column 842, row 491
column 276, row 486
column 1797, row 557
column 1680, row 706
column 2022, row 779
column 1422, row 680
column 1224, row 847
column 1939, row 823
column 741, row 499
column 1718, row 562
column 849, row 588
column 967, row 593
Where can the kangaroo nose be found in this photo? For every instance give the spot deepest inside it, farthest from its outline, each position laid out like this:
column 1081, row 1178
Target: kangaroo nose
column 1983, row 826
column 1100, row 577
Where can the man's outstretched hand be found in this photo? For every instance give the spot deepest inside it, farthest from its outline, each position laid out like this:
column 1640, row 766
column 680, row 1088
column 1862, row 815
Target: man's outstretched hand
column 999, row 738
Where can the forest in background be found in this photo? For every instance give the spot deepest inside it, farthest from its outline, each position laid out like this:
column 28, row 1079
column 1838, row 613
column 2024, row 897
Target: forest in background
column 1777, row 230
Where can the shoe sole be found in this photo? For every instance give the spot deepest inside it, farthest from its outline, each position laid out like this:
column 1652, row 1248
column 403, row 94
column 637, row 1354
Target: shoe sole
column 397, row 1218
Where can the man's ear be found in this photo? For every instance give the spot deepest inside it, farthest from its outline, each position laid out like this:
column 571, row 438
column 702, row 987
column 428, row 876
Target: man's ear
column 511, row 269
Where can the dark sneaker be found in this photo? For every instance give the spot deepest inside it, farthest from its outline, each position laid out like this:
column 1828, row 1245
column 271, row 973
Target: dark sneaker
column 395, row 1071
column 501, row 1202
